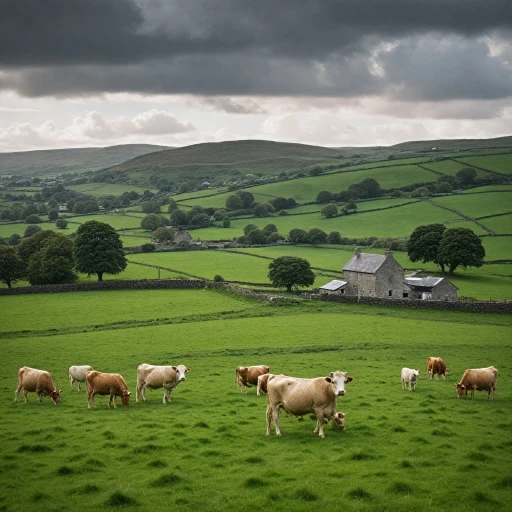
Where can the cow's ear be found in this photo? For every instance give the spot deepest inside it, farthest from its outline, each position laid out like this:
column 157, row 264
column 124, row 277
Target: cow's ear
column 332, row 374
column 349, row 379
column 328, row 379
column 129, row 393
column 60, row 390
column 174, row 368
column 187, row 370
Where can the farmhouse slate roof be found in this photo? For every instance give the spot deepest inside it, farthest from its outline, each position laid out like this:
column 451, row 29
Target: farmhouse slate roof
column 424, row 282
column 333, row 285
column 366, row 263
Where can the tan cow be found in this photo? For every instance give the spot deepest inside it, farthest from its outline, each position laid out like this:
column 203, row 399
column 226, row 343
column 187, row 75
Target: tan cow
column 38, row 381
column 339, row 420
column 155, row 377
column 480, row 379
column 248, row 375
column 77, row 374
column 262, row 383
column 299, row 397
column 436, row 366
column 111, row 384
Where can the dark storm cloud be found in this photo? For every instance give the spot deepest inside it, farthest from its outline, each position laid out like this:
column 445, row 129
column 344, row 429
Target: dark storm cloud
column 250, row 47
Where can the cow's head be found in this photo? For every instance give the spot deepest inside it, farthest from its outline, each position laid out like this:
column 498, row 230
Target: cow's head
column 416, row 372
column 55, row 396
column 181, row 370
column 339, row 420
column 125, row 397
column 461, row 389
column 338, row 379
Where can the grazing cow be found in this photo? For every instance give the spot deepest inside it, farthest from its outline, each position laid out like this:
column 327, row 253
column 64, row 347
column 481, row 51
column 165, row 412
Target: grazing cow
column 481, row 379
column 339, row 420
column 38, row 381
column 436, row 366
column 111, row 384
column 410, row 377
column 77, row 374
column 248, row 376
column 299, row 397
column 262, row 383
column 155, row 377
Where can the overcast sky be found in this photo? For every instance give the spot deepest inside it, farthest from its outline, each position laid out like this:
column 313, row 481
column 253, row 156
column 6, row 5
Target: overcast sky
column 77, row 73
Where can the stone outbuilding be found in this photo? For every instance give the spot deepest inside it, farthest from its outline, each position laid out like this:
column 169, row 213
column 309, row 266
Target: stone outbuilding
column 429, row 288
column 335, row 287
column 374, row 275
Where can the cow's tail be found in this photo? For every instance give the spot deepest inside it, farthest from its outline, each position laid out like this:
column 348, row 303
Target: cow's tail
column 238, row 378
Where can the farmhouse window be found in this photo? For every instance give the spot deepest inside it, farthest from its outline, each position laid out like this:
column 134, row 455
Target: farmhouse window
column 406, row 294
column 390, row 293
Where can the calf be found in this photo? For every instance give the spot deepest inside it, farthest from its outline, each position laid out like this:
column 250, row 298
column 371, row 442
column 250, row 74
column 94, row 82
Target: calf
column 262, row 383
column 410, row 377
column 248, row 375
column 436, row 366
column 77, row 374
column 38, row 381
column 155, row 377
column 299, row 397
column 339, row 420
column 479, row 379
column 111, row 384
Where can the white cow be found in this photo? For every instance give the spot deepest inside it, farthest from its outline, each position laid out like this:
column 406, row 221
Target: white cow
column 305, row 396
column 155, row 377
column 409, row 376
column 77, row 374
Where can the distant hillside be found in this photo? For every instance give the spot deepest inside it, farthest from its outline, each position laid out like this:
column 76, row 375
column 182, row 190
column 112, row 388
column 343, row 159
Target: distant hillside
column 217, row 160
column 58, row 161
column 224, row 158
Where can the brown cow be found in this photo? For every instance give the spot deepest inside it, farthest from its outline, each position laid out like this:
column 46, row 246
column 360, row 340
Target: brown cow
column 248, row 376
column 436, row 366
column 262, row 383
column 481, row 379
column 305, row 396
column 38, row 381
column 112, row 384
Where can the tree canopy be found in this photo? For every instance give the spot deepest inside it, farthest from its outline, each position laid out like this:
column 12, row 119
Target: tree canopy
column 423, row 244
column 98, row 250
column 151, row 222
column 329, row 210
column 288, row 271
column 12, row 267
column 460, row 247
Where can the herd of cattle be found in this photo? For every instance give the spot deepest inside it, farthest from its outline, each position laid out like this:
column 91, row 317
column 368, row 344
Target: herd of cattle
column 296, row 396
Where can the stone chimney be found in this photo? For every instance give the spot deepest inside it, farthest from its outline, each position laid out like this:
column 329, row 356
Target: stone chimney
column 388, row 253
column 357, row 251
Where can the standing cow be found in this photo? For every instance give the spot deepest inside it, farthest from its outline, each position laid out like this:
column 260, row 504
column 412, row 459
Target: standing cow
column 479, row 379
column 77, row 374
column 262, row 383
column 305, row 396
column 248, row 376
column 155, row 377
column 111, row 384
column 409, row 376
column 38, row 381
column 436, row 366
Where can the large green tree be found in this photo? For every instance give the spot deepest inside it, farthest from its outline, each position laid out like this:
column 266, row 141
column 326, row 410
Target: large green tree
column 234, row 202
column 98, row 250
column 12, row 267
column 151, row 222
column 460, row 247
column 423, row 244
column 329, row 210
column 288, row 271
column 32, row 245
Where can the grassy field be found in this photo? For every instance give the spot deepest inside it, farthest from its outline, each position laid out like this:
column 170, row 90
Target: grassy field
column 451, row 167
column 498, row 163
column 210, row 441
column 107, row 189
column 501, row 225
column 478, row 205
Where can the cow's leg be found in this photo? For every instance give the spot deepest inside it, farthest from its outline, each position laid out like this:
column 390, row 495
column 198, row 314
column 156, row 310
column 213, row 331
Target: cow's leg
column 17, row 392
column 275, row 417
column 166, row 395
column 319, row 411
column 403, row 383
column 25, row 395
column 144, row 386
column 137, row 390
column 78, row 385
column 269, row 417
column 89, row 395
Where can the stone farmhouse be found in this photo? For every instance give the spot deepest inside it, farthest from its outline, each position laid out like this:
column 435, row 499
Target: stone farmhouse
column 375, row 275
column 181, row 238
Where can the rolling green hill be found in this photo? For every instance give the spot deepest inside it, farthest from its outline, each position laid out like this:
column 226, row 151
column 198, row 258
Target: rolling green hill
column 58, row 161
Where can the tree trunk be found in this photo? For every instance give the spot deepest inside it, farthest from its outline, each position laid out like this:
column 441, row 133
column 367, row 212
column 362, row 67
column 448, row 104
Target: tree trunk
column 452, row 269
column 288, row 287
column 8, row 284
column 100, row 276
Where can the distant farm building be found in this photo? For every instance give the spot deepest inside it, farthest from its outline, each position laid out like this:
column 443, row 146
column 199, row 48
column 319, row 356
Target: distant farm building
column 429, row 288
column 335, row 287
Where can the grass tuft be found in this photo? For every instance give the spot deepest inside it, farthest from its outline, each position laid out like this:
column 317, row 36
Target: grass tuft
column 306, row 495
column 399, row 429
column 86, row 489
column 255, row 460
column 65, row 471
column 479, row 457
column 157, row 464
column 441, row 433
column 34, row 448
column 401, row 488
column 360, row 494
column 108, row 434
column 167, row 480
column 481, row 497
column 255, row 482
column 118, row 499
column 38, row 496
column 361, row 456
column 504, row 482
column 202, row 424
column 405, row 464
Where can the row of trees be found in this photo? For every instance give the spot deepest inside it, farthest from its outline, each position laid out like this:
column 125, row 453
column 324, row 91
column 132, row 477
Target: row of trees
column 48, row 257
column 446, row 247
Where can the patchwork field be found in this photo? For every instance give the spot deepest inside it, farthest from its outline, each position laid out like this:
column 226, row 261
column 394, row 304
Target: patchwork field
column 478, row 205
column 501, row 225
column 497, row 163
column 107, row 189
column 210, row 441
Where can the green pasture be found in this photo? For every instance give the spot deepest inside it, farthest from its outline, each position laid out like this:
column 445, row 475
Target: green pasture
column 131, row 241
column 107, row 189
column 477, row 205
column 116, row 221
column 6, row 230
column 451, row 167
column 501, row 225
column 197, row 194
column 498, row 163
column 487, row 188
column 219, row 201
column 497, row 247
column 478, row 230
column 386, row 163
column 207, row 449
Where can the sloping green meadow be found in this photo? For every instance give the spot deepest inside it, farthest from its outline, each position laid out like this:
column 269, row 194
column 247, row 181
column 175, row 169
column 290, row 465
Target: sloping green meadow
column 501, row 225
column 498, row 163
column 207, row 450
column 478, row 205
